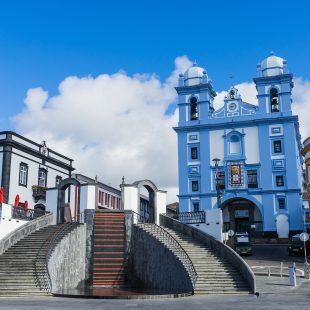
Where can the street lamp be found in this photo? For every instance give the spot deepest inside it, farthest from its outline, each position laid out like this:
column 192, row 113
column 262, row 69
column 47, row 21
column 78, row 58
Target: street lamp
column 217, row 179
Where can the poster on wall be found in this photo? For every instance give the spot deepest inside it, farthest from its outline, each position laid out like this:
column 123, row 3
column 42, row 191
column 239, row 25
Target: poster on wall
column 235, row 175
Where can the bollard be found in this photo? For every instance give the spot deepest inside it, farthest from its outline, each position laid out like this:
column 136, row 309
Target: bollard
column 281, row 270
column 268, row 271
column 306, row 270
column 292, row 275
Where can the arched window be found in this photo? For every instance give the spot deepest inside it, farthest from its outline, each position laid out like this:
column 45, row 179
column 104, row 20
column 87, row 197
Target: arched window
column 234, row 144
column 274, row 100
column 194, row 108
column 42, row 177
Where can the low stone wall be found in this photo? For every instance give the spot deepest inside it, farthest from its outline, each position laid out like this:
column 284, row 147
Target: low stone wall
column 66, row 265
column 154, row 266
column 25, row 230
column 220, row 248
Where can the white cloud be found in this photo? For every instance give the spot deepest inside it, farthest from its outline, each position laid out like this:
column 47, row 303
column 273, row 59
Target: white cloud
column 301, row 105
column 111, row 125
column 115, row 125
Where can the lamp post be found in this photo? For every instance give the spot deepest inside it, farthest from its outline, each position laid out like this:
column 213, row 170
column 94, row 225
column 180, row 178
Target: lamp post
column 217, row 179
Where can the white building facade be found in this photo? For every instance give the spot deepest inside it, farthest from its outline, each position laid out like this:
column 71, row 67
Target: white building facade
column 28, row 168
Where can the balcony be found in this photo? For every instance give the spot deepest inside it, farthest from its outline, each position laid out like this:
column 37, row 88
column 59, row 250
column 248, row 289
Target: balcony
column 38, row 193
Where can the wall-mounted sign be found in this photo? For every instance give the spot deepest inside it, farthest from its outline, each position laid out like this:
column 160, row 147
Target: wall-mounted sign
column 235, row 174
column 241, row 213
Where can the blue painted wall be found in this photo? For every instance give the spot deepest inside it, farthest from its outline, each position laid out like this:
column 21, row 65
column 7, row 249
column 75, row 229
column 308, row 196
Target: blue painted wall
column 256, row 127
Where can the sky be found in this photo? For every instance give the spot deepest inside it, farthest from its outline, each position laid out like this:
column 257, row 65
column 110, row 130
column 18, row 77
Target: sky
column 95, row 78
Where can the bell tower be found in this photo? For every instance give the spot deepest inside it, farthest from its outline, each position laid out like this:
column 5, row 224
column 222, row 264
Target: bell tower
column 196, row 96
column 274, row 86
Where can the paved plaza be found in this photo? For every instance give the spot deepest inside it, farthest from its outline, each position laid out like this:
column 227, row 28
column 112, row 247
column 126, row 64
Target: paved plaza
column 274, row 293
column 273, row 255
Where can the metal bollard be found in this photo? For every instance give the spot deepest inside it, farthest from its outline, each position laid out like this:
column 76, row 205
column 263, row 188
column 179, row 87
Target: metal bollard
column 292, row 275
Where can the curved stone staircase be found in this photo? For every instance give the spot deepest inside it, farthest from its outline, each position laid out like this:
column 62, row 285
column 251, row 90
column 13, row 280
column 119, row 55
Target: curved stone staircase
column 215, row 274
column 23, row 265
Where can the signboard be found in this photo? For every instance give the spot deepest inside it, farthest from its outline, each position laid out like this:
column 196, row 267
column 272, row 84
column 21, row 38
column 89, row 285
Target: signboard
column 304, row 237
column 230, row 233
column 241, row 213
column 235, row 174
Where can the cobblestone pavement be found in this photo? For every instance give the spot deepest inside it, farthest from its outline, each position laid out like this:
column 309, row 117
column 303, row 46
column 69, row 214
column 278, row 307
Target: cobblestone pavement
column 274, row 293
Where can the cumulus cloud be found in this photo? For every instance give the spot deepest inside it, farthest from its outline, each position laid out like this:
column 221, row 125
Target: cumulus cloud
column 301, row 105
column 112, row 125
column 115, row 125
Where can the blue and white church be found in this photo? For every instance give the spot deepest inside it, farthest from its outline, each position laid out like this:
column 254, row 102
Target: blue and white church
column 244, row 158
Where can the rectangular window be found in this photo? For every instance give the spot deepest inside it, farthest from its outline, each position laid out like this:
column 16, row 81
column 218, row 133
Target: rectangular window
column 196, row 207
column 277, row 146
column 193, row 137
column 252, row 179
column 194, row 153
column 280, row 180
column 195, row 187
column 221, row 179
column 281, row 203
column 100, row 197
column 23, row 174
column 42, row 177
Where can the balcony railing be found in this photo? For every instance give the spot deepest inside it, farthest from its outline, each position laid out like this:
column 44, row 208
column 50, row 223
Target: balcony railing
column 190, row 217
column 21, row 213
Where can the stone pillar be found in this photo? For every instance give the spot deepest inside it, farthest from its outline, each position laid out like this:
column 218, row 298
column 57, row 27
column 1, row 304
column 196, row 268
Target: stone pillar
column 89, row 221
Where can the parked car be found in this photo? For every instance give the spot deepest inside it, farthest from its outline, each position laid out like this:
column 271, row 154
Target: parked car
column 242, row 244
column 296, row 246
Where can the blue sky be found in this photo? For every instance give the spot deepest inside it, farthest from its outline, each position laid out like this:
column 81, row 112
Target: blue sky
column 42, row 42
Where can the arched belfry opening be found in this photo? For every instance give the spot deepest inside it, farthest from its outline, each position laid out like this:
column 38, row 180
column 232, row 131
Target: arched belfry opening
column 274, row 100
column 194, row 108
column 132, row 199
column 63, row 189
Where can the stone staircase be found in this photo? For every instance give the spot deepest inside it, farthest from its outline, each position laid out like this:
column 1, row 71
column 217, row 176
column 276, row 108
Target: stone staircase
column 215, row 274
column 109, row 249
column 23, row 265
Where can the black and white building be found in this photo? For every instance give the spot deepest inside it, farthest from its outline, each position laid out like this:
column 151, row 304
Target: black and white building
column 28, row 168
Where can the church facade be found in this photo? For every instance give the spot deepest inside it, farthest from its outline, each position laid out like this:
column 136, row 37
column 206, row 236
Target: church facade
column 243, row 158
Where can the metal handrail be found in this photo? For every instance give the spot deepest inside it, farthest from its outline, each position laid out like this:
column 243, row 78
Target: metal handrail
column 173, row 244
column 50, row 245
column 189, row 217
column 21, row 213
